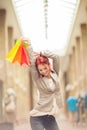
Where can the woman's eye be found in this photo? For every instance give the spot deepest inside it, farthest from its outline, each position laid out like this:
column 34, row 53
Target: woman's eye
column 41, row 70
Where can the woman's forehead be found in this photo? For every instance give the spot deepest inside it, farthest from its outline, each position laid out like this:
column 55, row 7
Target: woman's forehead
column 43, row 65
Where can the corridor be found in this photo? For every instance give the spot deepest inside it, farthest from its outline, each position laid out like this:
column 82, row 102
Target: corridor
column 43, row 29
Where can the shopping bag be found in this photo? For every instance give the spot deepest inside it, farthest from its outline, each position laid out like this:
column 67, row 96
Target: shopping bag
column 19, row 53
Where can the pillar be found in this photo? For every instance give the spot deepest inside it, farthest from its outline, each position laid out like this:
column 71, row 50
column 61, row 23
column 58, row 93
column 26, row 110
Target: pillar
column 3, row 38
column 84, row 53
column 79, row 63
column 10, row 65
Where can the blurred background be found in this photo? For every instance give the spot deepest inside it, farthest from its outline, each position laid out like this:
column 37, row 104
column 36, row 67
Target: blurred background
column 57, row 25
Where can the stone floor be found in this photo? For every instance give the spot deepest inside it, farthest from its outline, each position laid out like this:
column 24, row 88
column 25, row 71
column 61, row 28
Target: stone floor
column 64, row 124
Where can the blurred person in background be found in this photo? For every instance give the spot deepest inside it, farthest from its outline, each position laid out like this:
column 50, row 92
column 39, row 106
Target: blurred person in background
column 81, row 110
column 10, row 105
column 85, row 105
column 72, row 103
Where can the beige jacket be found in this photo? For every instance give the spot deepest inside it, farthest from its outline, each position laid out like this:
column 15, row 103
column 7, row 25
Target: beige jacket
column 45, row 104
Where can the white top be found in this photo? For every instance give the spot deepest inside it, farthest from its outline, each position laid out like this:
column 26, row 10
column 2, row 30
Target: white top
column 51, row 84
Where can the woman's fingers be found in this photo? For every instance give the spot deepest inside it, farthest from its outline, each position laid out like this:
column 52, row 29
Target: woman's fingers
column 26, row 40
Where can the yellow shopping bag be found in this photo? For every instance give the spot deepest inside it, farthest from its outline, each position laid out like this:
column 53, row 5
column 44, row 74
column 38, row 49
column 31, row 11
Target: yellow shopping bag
column 10, row 56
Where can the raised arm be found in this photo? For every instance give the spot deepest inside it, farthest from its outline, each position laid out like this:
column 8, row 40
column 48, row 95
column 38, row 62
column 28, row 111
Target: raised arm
column 32, row 57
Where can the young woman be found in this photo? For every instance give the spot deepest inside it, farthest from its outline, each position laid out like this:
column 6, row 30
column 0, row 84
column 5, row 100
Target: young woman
column 47, row 82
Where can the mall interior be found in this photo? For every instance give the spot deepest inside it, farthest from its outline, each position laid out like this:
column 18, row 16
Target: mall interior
column 16, row 80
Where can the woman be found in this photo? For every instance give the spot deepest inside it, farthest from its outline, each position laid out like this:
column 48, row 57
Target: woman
column 47, row 82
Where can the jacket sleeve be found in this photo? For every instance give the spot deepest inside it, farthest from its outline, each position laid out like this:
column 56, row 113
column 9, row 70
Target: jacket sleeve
column 33, row 68
column 59, row 96
column 55, row 59
column 59, row 99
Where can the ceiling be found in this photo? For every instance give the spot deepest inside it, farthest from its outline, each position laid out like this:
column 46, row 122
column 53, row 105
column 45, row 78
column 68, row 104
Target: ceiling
column 46, row 23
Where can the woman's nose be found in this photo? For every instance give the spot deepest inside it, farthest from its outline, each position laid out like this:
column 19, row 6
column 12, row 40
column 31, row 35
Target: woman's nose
column 44, row 71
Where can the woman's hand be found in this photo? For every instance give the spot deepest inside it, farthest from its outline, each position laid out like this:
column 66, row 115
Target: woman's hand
column 26, row 40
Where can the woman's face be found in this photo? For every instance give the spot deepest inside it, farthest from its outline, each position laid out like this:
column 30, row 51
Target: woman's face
column 44, row 69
